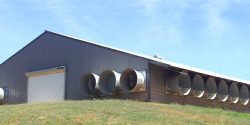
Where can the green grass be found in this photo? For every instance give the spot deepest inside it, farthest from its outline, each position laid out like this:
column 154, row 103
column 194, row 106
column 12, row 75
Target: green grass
column 119, row 112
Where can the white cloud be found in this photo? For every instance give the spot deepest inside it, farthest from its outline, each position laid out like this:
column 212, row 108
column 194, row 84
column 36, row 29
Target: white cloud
column 217, row 25
column 3, row 9
column 149, row 6
column 165, row 19
column 170, row 14
column 61, row 11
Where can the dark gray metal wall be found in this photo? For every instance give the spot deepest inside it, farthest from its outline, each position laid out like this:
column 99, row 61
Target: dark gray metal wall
column 158, row 80
column 51, row 50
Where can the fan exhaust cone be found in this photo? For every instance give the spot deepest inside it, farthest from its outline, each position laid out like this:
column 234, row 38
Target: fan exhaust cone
column 1, row 94
column 89, row 84
column 198, row 86
column 109, row 82
column 222, row 91
column 233, row 93
column 210, row 89
column 179, row 84
column 244, row 95
column 132, row 81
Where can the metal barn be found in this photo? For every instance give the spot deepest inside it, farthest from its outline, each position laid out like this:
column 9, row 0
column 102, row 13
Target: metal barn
column 56, row 67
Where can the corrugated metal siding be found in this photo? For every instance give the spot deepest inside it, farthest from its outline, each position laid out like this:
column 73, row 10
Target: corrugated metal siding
column 158, row 93
column 52, row 50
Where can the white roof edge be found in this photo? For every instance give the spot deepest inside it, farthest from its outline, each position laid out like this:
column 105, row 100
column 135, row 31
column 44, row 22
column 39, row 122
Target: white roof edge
column 204, row 72
column 173, row 64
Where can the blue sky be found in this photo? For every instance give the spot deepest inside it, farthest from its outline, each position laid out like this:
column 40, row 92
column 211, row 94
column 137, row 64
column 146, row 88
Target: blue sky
column 210, row 34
